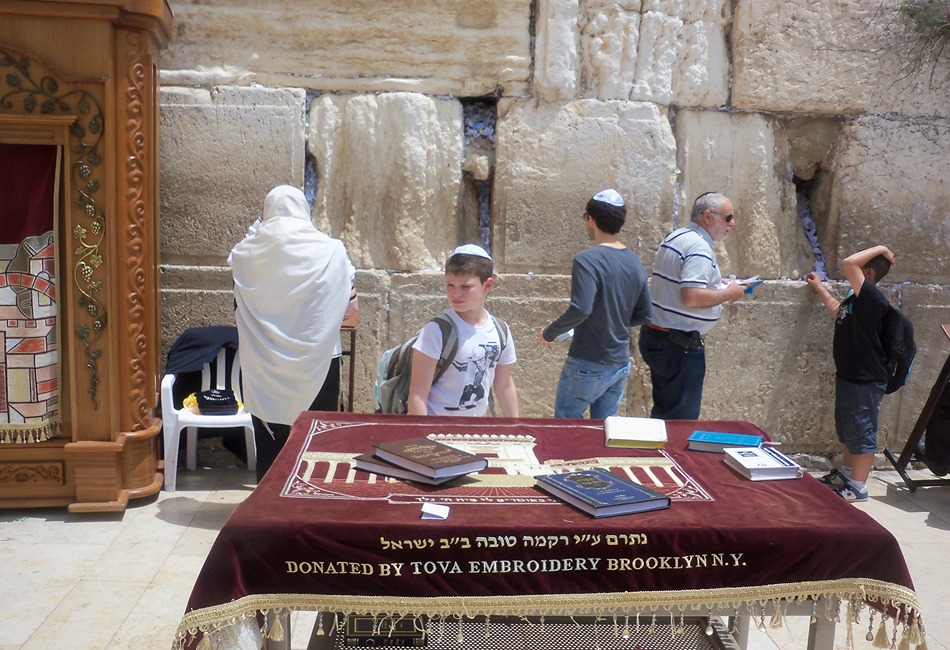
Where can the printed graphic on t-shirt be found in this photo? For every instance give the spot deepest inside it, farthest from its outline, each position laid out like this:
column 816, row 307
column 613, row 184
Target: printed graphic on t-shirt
column 845, row 308
column 485, row 357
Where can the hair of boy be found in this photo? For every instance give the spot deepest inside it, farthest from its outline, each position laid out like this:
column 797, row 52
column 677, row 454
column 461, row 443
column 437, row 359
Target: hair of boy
column 711, row 201
column 880, row 266
column 462, row 264
column 608, row 217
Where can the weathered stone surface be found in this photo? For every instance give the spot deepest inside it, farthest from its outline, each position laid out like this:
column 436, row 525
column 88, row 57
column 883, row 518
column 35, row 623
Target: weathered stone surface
column 187, row 278
column 389, row 173
column 891, row 187
column 769, row 362
column 468, row 48
column 184, row 308
column 551, row 160
column 555, row 51
column 745, row 156
column 833, row 57
column 222, row 151
column 668, row 53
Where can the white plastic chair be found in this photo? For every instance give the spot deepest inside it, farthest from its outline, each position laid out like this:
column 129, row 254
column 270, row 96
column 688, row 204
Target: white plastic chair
column 213, row 375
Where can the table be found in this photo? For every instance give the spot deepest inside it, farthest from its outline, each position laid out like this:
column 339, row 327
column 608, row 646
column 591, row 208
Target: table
column 910, row 447
column 317, row 534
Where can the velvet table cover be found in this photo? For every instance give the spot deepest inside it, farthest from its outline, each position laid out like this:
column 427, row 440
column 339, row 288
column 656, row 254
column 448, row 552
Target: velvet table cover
column 317, row 534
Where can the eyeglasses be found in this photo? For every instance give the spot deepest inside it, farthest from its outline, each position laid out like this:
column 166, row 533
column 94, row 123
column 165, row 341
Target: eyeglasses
column 728, row 217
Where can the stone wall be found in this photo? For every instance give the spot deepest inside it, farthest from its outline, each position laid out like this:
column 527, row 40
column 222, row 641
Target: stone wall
column 784, row 105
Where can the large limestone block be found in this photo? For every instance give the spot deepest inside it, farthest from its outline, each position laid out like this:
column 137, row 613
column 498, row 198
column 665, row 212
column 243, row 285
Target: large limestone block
column 467, row 48
column 745, row 156
column 372, row 288
column 222, row 151
column 552, row 159
column 662, row 52
column 891, row 188
column 389, row 173
column 833, row 57
column 555, row 51
column 184, row 308
column 769, row 362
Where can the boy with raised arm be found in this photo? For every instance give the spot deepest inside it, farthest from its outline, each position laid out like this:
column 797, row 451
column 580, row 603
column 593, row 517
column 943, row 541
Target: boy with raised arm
column 860, row 366
column 484, row 357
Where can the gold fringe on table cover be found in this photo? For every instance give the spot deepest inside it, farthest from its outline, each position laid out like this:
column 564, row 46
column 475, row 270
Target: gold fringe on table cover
column 14, row 434
column 759, row 602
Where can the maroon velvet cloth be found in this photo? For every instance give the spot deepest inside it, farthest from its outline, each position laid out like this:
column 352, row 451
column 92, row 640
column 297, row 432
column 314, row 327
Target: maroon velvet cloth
column 786, row 531
column 27, row 180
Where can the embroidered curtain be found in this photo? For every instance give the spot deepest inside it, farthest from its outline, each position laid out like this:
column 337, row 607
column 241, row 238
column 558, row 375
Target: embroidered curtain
column 29, row 355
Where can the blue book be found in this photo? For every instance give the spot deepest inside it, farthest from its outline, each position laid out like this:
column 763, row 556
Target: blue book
column 716, row 441
column 601, row 493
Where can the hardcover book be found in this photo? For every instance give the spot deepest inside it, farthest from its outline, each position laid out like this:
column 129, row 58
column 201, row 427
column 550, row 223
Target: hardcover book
column 762, row 463
column 643, row 433
column 430, row 457
column 716, row 441
column 601, row 493
column 370, row 463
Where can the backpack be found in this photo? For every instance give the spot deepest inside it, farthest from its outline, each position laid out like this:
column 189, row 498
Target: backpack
column 393, row 375
column 899, row 348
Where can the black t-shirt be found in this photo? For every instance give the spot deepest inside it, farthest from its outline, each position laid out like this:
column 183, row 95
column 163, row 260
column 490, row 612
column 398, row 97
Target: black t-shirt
column 858, row 348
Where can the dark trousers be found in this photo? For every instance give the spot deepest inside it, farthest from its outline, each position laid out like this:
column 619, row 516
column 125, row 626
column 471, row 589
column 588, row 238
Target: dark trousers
column 677, row 374
column 270, row 437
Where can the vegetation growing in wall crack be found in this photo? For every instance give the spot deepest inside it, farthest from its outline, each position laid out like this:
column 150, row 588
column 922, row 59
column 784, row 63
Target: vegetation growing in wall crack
column 930, row 21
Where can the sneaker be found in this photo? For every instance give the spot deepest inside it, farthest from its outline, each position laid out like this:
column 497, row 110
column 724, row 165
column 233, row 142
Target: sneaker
column 849, row 493
column 834, row 479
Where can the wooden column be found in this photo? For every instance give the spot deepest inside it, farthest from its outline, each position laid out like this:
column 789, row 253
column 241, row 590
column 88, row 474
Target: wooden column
column 88, row 72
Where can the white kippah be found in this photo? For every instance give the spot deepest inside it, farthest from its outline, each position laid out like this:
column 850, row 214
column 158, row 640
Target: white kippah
column 609, row 196
column 471, row 249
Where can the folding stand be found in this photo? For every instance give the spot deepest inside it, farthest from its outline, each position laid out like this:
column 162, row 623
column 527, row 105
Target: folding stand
column 910, row 448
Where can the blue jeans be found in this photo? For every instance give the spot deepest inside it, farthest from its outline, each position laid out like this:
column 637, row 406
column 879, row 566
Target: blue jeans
column 587, row 384
column 857, row 407
column 677, row 375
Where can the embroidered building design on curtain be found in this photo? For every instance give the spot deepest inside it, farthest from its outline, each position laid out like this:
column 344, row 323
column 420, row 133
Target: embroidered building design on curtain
column 29, row 365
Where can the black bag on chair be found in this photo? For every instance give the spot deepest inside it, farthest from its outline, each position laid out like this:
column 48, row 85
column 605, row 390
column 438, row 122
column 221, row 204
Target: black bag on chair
column 217, row 401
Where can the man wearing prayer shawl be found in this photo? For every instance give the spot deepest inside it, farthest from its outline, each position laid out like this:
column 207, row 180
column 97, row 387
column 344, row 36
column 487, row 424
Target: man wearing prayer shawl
column 291, row 288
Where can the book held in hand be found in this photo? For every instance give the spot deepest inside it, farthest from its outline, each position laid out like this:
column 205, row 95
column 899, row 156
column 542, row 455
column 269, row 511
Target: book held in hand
column 642, row 433
column 601, row 493
column 370, row 463
column 430, row 457
column 716, row 441
column 761, row 463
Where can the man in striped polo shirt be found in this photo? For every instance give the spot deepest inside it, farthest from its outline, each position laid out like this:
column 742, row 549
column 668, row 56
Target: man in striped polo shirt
column 688, row 294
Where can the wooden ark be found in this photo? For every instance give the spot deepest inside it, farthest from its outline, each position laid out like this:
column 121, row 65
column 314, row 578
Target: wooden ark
column 83, row 76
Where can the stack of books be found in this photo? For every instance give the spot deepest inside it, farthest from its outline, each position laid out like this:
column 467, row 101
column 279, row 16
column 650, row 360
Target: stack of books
column 422, row 460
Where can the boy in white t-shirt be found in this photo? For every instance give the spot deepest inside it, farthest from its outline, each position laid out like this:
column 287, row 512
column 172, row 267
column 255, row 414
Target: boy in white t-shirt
column 480, row 363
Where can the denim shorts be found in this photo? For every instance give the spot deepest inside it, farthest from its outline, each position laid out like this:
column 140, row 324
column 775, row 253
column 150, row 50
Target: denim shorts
column 857, row 407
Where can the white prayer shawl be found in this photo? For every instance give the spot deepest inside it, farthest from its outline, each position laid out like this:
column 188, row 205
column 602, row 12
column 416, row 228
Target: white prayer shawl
column 291, row 288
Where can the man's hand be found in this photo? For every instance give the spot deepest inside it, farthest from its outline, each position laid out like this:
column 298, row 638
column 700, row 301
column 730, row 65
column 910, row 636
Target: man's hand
column 733, row 292
column 814, row 281
column 544, row 344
